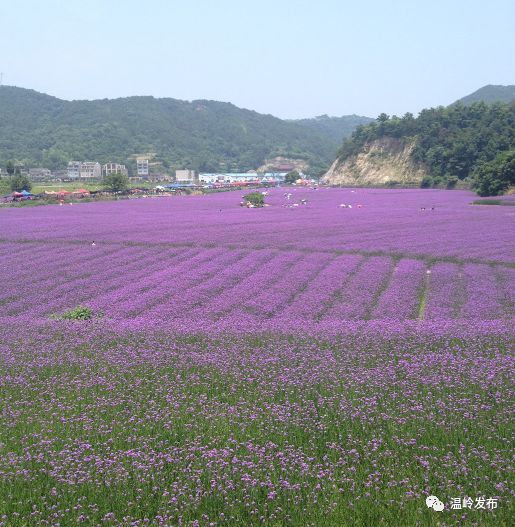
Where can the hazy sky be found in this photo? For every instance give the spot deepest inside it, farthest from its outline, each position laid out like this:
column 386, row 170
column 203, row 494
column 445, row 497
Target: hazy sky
column 290, row 58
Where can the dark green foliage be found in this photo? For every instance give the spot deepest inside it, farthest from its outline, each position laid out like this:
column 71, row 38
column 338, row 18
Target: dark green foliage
column 116, row 182
column 427, row 182
column 19, row 183
column 453, row 143
column 255, row 198
column 494, row 177
column 452, row 181
column 40, row 130
column 9, row 168
column 392, row 183
column 291, row 177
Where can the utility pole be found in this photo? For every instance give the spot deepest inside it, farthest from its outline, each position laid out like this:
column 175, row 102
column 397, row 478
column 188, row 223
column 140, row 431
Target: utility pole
column 1, row 77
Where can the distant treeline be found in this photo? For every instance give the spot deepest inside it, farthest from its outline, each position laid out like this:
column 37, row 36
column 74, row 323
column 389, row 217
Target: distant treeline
column 474, row 143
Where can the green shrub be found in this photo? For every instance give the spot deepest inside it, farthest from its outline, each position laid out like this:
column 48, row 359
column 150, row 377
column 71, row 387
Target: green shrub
column 291, row 177
column 487, row 202
column 78, row 313
column 19, row 183
column 504, row 203
column 255, row 198
column 427, row 182
column 493, row 178
column 452, row 181
column 116, row 182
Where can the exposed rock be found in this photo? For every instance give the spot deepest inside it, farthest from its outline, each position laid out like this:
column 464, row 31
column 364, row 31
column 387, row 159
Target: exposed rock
column 383, row 161
column 284, row 164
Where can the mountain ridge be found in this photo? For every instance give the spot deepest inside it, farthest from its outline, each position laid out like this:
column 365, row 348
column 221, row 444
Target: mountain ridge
column 490, row 93
column 43, row 130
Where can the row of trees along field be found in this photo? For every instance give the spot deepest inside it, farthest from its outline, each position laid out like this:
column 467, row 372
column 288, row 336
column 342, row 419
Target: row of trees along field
column 16, row 182
column 455, row 143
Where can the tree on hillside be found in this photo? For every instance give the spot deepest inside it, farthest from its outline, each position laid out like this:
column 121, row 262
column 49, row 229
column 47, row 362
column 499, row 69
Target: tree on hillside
column 454, row 144
column 493, row 178
column 19, row 183
column 9, row 168
column 116, row 182
column 36, row 128
column 291, row 177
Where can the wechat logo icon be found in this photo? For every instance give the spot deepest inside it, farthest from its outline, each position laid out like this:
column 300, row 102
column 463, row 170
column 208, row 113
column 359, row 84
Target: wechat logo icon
column 434, row 503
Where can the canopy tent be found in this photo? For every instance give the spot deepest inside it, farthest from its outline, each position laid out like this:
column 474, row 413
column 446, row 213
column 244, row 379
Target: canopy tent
column 179, row 185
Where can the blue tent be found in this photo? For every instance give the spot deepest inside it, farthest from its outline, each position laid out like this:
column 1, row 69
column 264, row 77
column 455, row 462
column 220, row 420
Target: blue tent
column 25, row 193
column 179, row 185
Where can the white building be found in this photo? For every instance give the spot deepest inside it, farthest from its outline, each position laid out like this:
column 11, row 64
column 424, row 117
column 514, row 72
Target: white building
column 113, row 168
column 73, row 171
column 185, row 176
column 90, row 170
column 273, row 177
column 242, row 177
column 229, row 177
column 84, row 170
column 208, row 179
column 142, row 167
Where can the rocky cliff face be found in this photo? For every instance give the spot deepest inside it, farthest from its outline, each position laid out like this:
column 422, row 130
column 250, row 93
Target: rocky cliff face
column 284, row 164
column 386, row 160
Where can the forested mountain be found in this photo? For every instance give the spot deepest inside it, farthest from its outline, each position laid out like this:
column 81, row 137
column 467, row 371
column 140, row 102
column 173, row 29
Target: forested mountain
column 41, row 130
column 490, row 94
column 475, row 142
column 335, row 128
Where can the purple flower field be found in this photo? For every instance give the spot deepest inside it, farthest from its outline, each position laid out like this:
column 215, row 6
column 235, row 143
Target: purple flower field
column 203, row 259
column 310, row 365
column 389, row 221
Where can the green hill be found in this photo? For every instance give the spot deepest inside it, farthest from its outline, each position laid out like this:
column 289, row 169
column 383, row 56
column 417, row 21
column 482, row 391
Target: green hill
column 473, row 143
column 335, row 128
column 40, row 130
column 490, row 94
